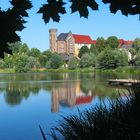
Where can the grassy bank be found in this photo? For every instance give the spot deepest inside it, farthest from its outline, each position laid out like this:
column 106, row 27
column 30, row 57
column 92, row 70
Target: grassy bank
column 82, row 70
column 7, row 71
column 120, row 70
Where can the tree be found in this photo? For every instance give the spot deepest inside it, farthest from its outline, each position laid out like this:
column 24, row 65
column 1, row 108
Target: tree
column 87, row 60
column 22, row 64
column 100, row 44
column 34, row 52
column 12, row 18
column 110, row 59
column 83, row 49
column 133, row 52
column 93, row 49
column 137, row 60
column 73, row 63
column 33, row 62
column 42, row 60
column 15, row 47
column 2, row 64
column 56, row 61
column 24, row 49
column 136, row 44
column 48, row 54
column 112, row 42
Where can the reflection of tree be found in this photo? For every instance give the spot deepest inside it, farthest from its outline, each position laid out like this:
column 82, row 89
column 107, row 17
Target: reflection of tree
column 13, row 97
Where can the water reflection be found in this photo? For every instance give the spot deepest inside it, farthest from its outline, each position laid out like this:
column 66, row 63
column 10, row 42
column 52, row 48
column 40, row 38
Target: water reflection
column 65, row 89
column 69, row 94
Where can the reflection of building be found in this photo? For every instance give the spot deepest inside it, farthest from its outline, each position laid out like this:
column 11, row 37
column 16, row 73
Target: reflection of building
column 68, row 94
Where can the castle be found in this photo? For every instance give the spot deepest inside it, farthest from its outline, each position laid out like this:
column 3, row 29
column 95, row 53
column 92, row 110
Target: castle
column 68, row 43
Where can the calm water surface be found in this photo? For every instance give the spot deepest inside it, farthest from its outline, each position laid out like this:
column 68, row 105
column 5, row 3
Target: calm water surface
column 29, row 100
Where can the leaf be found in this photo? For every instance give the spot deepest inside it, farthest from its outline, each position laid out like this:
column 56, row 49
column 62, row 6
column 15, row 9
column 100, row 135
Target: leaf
column 81, row 6
column 52, row 10
column 125, row 6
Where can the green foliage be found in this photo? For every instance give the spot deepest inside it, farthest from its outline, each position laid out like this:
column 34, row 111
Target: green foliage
column 42, row 60
column 12, row 19
column 119, row 119
column 48, row 54
column 22, row 64
column 73, row 63
column 83, row 49
column 110, row 59
column 136, row 44
column 34, row 52
column 56, row 61
column 100, row 44
column 2, row 64
column 15, row 47
column 133, row 52
column 112, row 42
column 11, row 22
column 33, row 62
column 137, row 59
column 24, row 48
column 9, row 61
column 87, row 60
column 93, row 49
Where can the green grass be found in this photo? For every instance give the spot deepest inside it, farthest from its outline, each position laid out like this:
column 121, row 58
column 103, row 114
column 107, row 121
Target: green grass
column 7, row 71
column 84, row 70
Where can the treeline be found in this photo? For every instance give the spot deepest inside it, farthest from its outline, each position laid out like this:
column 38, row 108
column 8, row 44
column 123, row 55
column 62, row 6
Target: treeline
column 104, row 55
column 25, row 59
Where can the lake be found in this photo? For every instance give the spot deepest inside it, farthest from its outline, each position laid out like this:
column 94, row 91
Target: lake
column 33, row 99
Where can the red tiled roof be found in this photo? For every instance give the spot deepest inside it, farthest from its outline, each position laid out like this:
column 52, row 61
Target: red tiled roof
column 83, row 39
column 83, row 100
column 129, row 42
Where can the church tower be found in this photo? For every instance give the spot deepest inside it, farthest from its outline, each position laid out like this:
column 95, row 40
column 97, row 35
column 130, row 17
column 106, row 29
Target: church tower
column 53, row 39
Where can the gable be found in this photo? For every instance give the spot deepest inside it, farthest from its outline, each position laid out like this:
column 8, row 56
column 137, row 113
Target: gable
column 62, row 37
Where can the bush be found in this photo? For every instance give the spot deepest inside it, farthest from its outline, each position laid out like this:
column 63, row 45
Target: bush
column 2, row 64
column 56, row 61
column 73, row 63
column 22, row 64
column 137, row 59
column 33, row 62
column 110, row 59
column 83, row 50
column 87, row 60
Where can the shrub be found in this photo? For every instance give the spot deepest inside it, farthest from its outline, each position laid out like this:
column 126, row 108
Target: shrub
column 73, row 63
column 83, row 50
column 87, row 60
column 22, row 64
column 110, row 59
column 56, row 61
column 137, row 59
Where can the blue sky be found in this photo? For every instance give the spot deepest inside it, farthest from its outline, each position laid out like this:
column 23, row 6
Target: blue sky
column 99, row 24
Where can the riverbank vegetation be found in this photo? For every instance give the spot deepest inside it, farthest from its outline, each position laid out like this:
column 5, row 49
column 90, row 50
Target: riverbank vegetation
column 104, row 56
column 117, row 120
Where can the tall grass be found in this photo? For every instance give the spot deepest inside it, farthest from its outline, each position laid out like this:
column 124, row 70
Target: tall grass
column 118, row 121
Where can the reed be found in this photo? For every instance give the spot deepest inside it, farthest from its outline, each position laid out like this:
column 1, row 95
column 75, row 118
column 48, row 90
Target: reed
column 120, row 120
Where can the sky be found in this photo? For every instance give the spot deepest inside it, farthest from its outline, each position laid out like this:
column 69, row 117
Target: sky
column 100, row 23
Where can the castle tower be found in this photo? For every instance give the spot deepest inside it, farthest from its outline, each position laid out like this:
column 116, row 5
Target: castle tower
column 53, row 39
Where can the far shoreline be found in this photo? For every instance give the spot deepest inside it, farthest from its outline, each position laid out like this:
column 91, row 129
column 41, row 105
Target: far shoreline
column 121, row 70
